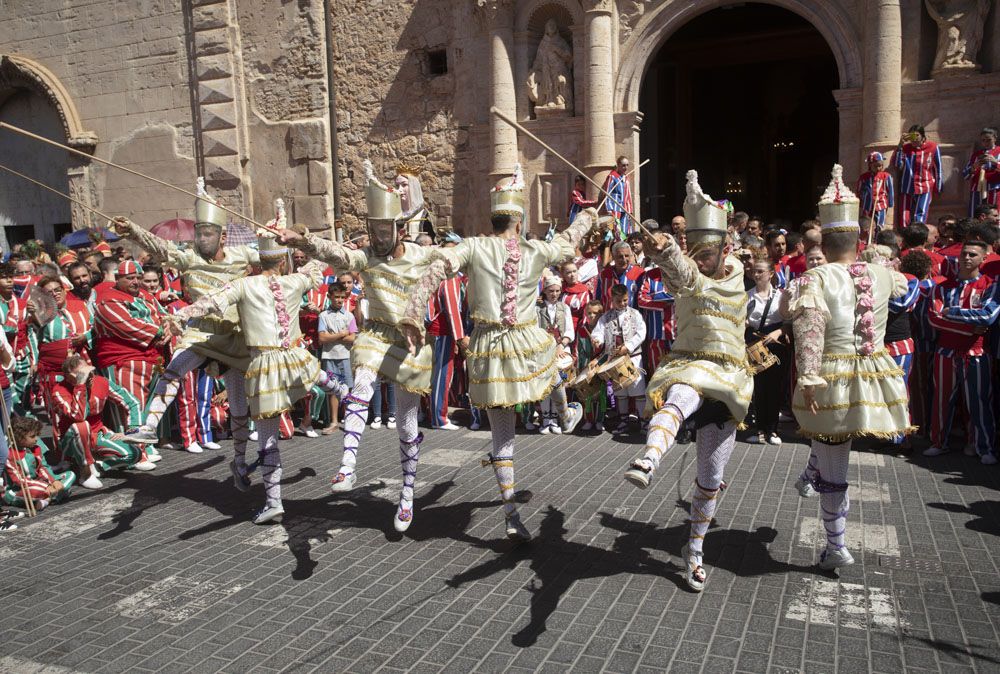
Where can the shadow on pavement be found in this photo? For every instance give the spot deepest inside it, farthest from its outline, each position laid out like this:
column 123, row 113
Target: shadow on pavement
column 988, row 513
column 558, row 563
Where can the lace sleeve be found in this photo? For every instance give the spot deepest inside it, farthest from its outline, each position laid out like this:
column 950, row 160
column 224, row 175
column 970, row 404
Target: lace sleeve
column 166, row 251
column 416, row 308
column 680, row 272
column 216, row 302
column 809, row 328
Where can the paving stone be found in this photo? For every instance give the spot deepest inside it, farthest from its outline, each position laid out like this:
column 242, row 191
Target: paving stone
column 597, row 590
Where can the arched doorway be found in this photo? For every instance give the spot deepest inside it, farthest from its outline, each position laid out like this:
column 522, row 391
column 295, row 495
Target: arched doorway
column 744, row 95
column 29, row 211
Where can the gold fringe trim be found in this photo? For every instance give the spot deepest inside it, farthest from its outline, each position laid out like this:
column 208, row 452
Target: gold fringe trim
column 656, row 400
column 516, row 380
column 415, row 391
column 714, row 356
column 496, row 353
column 888, row 374
column 384, row 275
column 853, row 356
column 389, row 354
column 717, row 314
column 900, row 402
column 847, row 228
column 479, row 320
column 708, row 300
column 510, row 405
column 838, row 438
column 283, row 367
column 386, row 289
column 284, row 389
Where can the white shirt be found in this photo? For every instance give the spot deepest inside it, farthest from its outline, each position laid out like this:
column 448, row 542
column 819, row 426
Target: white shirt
column 620, row 327
column 755, row 308
column 566, row 329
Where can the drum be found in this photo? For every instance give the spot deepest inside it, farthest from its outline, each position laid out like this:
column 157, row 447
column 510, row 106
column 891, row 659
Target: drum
column 587, row 384
column 760, row 357
column 567, row 366
column 620, row 372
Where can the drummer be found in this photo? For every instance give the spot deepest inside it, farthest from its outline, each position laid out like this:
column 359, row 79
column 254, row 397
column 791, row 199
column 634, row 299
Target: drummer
column 555, row 317
column 619, row 334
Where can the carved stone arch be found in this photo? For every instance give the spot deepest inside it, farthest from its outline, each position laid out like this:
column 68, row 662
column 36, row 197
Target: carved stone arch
column 20, row 72
column 657, row 25
column 527, row 13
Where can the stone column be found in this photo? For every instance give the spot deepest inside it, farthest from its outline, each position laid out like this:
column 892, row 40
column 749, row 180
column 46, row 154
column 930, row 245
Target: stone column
column 599, row 122
column 881, row 99
column 497, row 17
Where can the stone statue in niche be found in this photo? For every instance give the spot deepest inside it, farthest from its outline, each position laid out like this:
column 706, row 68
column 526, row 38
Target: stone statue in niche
column 550, row 84
column 960, row 33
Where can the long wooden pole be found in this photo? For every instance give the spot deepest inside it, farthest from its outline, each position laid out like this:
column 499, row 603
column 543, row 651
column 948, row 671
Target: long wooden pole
column 35, row 136
column 55, row 191
column 558, row 156
column 20, row 465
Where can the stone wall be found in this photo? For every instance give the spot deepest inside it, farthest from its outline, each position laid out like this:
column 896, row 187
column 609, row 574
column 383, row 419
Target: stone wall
column 389, row 105
column 125, row 67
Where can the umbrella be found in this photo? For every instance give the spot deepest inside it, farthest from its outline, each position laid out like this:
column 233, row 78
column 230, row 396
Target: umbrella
column 81, row 237
column 175, row 229
column 240, row 235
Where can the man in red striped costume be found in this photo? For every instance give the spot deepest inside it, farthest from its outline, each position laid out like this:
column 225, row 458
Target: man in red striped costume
column 130, row 334
column 14, row 315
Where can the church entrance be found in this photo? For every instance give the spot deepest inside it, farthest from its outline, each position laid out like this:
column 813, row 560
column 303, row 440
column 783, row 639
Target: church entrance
column 26, row 210
column 743, row 94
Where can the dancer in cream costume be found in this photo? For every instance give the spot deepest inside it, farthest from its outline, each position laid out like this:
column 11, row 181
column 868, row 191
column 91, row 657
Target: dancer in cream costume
column 391, row 270
column 281, row 371
column 510, row 360
column 706, row 374
column 206, row 267
column 848, row 385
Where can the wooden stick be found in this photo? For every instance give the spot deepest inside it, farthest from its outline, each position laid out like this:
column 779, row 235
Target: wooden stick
column 23, row 132
column 625, row 176
column 55, row 191
column 556, row 154
column 21, row 468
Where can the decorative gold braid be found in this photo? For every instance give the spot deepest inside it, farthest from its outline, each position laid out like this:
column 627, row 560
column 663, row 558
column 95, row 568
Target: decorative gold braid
column 522, row 379
column 887, row 374
column 854, row 356
column 714, row 356
column 497, row 353
column 857, row 403
column 717, row 314
column 480, row 320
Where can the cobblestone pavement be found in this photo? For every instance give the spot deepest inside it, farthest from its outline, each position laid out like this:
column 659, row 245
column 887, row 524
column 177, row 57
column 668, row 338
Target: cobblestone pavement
column 163, row 572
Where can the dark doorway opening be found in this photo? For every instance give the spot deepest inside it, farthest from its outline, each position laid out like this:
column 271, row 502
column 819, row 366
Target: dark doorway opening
column 744, row 95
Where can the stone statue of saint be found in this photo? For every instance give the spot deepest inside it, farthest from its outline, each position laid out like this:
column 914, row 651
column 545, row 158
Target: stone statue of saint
column 550, row 84
column 960, row 32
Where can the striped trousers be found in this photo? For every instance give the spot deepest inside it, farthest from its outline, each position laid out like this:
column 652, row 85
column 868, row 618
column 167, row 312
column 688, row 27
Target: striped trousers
column 955, row 378
column 906, row 365
column 914, row 208
column 442, row 375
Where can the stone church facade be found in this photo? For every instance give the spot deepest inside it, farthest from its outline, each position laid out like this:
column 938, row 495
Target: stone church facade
column 243, row 93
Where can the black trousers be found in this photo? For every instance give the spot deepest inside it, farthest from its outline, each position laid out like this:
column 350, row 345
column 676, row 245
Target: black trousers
column 770, row 388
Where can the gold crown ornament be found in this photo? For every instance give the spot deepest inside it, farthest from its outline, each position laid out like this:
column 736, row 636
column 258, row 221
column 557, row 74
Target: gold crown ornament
column 382, row 201
column 206, row 212
column 838, row 207
column 406, row 169
column 707, row 220
column 507, row 196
